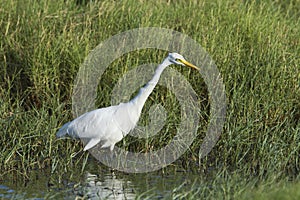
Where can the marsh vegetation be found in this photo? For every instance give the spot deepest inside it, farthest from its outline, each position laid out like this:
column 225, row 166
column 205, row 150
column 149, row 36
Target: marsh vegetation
column 255, row 45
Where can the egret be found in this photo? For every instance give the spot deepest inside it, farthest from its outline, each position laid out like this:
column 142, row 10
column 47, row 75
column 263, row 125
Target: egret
column 111, row 124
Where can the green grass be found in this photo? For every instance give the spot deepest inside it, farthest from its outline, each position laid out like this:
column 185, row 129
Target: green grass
column 279, row 191
column 255, row 45
column 230, row 187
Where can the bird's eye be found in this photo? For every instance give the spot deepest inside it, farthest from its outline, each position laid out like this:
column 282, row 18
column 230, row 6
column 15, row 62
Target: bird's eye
column 177, row 60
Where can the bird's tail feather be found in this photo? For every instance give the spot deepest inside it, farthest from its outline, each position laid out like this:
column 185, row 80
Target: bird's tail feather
column 63, row 130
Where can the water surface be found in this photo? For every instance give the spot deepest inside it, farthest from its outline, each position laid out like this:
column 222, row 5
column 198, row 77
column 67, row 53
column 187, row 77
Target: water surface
column 95, row 183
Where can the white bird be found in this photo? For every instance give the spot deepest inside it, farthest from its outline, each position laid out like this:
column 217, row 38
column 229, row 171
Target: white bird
column 110, row 125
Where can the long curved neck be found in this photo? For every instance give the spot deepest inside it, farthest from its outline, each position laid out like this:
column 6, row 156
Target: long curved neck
column 140, row 99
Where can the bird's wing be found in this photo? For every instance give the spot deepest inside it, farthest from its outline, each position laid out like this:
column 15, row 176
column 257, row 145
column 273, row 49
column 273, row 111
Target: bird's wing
column 89, row 125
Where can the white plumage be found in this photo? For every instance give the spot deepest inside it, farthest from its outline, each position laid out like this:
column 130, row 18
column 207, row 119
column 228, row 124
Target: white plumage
column 110, row 125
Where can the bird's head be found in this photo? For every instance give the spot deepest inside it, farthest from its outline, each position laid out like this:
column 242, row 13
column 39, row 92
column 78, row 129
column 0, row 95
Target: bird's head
column 178, row 59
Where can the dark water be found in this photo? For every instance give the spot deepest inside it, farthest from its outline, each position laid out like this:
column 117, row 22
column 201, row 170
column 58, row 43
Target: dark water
column 96, row 184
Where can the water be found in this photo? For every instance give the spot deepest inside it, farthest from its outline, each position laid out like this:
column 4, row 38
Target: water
column 96, row 184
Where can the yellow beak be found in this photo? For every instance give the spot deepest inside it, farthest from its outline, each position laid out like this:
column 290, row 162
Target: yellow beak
column 189, row 64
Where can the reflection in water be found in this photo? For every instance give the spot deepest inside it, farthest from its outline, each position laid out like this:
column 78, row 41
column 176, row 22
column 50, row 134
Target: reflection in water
column 103, row 186
column 5, row 192
column 100, row 184
column 108, row 188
